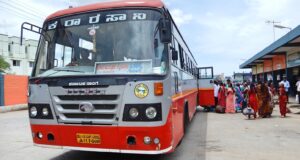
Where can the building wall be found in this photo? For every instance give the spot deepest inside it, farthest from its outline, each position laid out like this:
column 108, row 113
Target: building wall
column 1, row 89
column 279, row 62
column 15, row 89
column 11, row 50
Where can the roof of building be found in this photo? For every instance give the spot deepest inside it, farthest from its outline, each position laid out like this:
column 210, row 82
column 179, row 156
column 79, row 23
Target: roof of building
column 108, row 5
column 248, row 73
column 279, row 47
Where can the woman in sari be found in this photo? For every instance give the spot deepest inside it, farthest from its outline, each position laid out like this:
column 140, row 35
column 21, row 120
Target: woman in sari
column 272, row 92
column 272, row 88
column 239, row 97
column 230, row 99
column 253, row 99
column 263, row 95
column 222, row 96
column 245, row 95
column 282, row 100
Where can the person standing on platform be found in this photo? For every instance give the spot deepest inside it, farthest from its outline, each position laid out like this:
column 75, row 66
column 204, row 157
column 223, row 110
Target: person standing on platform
column 227, row 83
column 239, row 97
column 252, row 102
column 222, row 96
column 245, row 95
column 263, row 95
column 298, row 89
column 216, row 90
column 282, row 100
column 230, row 99
column 286, row 84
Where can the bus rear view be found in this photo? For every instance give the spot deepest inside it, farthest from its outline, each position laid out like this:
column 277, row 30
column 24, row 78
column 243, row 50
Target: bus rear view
column 102, row 80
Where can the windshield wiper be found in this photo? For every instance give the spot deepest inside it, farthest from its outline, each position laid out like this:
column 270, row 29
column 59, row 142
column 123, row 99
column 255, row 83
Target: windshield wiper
column 67, row 70
column 56, row 71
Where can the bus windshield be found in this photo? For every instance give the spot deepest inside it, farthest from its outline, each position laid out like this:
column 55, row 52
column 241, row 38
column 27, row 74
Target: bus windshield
column 106, row 42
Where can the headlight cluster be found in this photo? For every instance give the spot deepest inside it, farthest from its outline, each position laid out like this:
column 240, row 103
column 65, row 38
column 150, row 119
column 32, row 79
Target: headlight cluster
column 142, row 112
column 151, row 112
column 133, row 112
column 40, row 111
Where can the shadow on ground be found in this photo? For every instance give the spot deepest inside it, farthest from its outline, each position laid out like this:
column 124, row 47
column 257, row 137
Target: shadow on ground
column 193, row 147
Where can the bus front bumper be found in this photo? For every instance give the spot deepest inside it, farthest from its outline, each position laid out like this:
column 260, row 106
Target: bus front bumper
column 110, row 138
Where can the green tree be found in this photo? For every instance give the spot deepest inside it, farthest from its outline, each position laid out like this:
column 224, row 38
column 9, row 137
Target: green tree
column 3, row 64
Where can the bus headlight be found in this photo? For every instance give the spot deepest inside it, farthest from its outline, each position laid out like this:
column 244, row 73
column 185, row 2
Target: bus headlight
column 142, row 112
column 45, row 112
column 33, row 111
column 133, row 112
column 40, row 111
column 151, row 112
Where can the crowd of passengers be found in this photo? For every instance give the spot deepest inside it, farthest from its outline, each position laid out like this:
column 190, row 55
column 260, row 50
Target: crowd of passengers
column 258, row 97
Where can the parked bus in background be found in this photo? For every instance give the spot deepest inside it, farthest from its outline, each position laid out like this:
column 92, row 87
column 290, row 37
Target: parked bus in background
column 206, row 88
column 112, row 77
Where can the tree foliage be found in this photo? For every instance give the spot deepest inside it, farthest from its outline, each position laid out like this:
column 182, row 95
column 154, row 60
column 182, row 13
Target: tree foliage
column 3, row 64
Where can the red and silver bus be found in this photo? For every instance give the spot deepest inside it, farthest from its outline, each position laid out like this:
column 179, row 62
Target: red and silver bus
column 112, row 77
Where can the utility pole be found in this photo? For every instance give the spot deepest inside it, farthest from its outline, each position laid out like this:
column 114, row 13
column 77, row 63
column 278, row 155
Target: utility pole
column 273, row 24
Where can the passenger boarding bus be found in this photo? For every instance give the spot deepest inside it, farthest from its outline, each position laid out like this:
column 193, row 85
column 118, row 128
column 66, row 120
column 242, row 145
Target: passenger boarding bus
column 112, row 77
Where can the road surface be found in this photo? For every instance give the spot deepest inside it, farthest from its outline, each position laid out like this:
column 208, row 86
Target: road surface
column 210, row 136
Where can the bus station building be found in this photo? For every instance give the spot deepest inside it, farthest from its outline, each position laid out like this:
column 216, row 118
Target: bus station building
column 278, row 60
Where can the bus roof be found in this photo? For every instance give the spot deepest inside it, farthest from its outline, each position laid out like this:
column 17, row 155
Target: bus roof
column 108, row 5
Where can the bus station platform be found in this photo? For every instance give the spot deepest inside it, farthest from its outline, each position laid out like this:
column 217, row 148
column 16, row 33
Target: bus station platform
column 279, row 59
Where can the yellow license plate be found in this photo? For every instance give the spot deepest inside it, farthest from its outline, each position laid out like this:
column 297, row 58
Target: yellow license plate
column 88, row 138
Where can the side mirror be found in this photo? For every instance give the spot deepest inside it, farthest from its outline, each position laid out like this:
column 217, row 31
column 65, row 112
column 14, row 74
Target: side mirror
column 165, row 30
column 174, row 55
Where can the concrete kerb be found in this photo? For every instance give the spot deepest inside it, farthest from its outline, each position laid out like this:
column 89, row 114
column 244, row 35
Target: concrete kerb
column 18, row 107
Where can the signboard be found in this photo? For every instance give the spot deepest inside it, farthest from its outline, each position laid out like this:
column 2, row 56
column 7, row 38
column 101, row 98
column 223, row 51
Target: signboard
column 268, row 65
column 124, row 67
column 293, row 59
column 254, row 70
column 260, row 68
column 279, row 62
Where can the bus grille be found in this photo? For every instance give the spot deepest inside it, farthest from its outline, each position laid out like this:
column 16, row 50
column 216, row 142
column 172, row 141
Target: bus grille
column 97, row 106
column 90, row 116
column 105, row 108
column 87, row 97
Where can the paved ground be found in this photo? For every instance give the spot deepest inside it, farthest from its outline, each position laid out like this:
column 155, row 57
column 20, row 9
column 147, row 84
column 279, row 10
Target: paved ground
column 210, row 137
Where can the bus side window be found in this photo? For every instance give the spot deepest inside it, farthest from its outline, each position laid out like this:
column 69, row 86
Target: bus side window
column 191, row 67
column 186, row 61
column 173, row 47
column 181, row 56
column 176, row 47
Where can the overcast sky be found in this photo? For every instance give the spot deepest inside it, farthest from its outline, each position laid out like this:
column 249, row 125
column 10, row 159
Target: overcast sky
column 220, row 33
